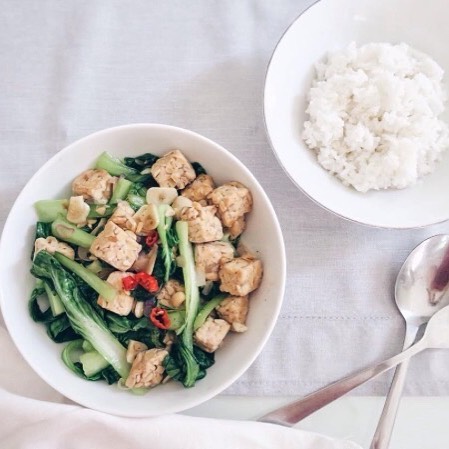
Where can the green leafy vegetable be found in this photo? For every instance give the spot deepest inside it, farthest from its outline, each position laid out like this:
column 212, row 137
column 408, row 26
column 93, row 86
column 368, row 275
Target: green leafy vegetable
column 101, row 210
column 177, row 319
column 141, row 294
column 190, row 368
column 206, row 310
column 121, row 190
column 49, row 210
column 127, row 328
column 110, row 375
column 55, row 302
column 141, row 162
column 213, row 291
column 58, row 328
column 116, row 167
column 95, row 266
column 199, row 169
column 33, row 306
column 167, row 238
column 176, row 368
column 205, row 360
column 83, row 318
column 122, row 324
column 103, row 288
column 73, row 353
column 64, row 230
column 93, row 363
column 43, row 230
column 137, row 196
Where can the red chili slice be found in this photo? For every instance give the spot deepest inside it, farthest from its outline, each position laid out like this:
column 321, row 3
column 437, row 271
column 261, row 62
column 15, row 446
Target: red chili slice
column 129, row 283
column 147, row 281
column 152, row 238
column 159, row 317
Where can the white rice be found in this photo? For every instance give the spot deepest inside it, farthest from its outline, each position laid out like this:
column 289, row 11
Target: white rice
column 374, row 115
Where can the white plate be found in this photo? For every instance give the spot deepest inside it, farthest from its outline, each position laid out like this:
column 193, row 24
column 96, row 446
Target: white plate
column 326, row 26
column 53, row 181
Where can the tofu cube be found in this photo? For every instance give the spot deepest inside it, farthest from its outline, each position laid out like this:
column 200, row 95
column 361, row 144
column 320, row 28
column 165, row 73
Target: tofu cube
column 209, row 257
column 234, row 310
column 124, row 302
column 173, row 170
column 211, row 334
column 240, row 276
column 233, row 200
column 204, row 225
column 147, row 370
column 115, row 246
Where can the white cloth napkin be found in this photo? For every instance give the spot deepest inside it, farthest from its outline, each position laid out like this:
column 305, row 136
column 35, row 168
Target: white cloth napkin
column 35, row 416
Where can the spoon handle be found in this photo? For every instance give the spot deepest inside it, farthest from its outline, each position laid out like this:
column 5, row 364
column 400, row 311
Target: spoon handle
column 382, row 436
column 298, row 410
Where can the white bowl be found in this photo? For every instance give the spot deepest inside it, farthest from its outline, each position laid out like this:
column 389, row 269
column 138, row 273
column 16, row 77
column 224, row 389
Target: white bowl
column 330, row 25
column 53, row 181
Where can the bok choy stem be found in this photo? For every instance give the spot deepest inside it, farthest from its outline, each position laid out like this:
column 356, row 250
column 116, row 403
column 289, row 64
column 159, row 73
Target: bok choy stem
column 50, row 210
column 68, row 232
column 82, row 316
column 191, row 303
column 103, row 288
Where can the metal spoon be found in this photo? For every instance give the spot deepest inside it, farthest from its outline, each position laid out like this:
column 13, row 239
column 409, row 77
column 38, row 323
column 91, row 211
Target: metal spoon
column 425, row 273
column 420, row 292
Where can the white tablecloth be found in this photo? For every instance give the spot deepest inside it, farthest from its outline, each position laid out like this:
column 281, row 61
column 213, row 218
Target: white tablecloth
column 73, row 67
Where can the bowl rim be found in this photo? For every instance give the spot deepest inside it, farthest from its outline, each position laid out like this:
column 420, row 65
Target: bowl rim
column 284, row 168
column 211, row 392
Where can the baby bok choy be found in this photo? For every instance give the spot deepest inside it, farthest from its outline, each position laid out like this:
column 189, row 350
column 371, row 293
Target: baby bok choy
column 167, row 238
column 182, row 364
column 83, row 318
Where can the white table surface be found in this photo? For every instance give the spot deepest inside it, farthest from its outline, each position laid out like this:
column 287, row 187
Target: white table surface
column 421, row 422
column 71, row 68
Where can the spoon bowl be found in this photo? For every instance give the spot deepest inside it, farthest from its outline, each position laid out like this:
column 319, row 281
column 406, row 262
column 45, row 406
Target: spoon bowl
column 421, row 285
column 421, row 295
column 420, row 292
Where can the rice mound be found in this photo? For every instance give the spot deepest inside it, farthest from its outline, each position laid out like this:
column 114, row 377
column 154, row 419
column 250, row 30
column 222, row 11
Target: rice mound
column 373, row 115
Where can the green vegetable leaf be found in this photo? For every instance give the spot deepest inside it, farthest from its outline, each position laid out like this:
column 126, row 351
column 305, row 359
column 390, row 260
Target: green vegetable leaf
column 137, row 195
column 168, row 240
column 199, row 169
column 43, row 230
column 82, row 316
column 122, row 324
column 141, row 162
column 60, row 330
column 34, row 309
column 176, row 367
column 116, row 167
column 140, row 294
column 71, row 356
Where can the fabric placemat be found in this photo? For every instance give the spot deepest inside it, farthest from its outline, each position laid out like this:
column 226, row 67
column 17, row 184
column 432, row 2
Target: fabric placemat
column 74, row 67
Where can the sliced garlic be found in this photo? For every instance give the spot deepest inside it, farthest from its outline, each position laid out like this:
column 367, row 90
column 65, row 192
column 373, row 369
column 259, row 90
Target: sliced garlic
column 138, row 309
column 161, row 195
column 147, row 219
column 170, row 212
column 181, row 201
column 179, row 204
column 78, row 210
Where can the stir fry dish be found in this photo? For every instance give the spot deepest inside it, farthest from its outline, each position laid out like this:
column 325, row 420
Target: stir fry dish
column 142, row 270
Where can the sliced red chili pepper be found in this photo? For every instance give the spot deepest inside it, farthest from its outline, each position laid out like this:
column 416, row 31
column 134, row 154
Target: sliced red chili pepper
column 147, row 281
column 152, row 238
column 159, row 317
column 129, row 283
